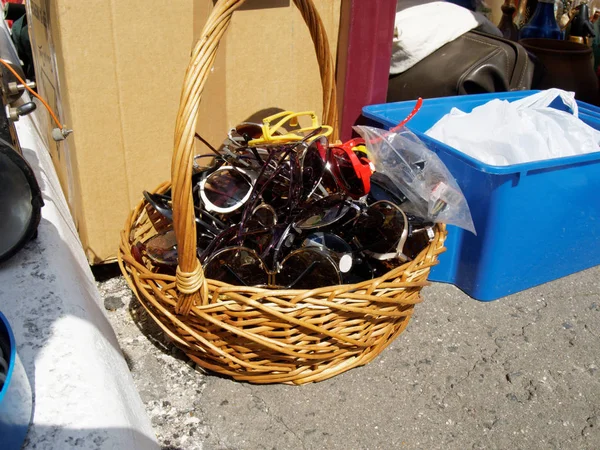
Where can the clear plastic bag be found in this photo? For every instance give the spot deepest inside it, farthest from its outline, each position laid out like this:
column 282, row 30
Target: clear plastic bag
column 431, row 190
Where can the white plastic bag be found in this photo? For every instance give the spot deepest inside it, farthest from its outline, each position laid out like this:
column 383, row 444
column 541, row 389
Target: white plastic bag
column 501, row 133
column 419, row 173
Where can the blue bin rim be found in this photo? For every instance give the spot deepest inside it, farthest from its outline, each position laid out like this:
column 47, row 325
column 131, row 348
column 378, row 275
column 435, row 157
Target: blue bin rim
column 5, row 327
column 374, row 112
column 510, row 96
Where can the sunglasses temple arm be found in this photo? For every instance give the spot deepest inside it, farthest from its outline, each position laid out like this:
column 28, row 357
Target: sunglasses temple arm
column 208, row 144
column 256, row 155
column 208, row 227
column 219, row 223
column 250, row 205
column 402, row 241
column 213, row 244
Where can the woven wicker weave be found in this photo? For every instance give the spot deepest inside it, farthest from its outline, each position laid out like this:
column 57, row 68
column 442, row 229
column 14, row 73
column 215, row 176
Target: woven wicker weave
column 254, row 334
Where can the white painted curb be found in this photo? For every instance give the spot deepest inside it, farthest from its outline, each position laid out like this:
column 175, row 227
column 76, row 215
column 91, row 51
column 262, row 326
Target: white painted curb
column 84, row 395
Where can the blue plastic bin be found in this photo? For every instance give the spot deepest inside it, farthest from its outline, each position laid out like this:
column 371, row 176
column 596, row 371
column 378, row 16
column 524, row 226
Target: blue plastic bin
column 535, row 222
column 16, row 401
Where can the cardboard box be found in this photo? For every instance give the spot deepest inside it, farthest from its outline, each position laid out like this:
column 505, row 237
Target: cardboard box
column 113, row 71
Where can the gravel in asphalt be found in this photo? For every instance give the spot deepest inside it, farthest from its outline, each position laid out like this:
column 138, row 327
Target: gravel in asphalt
column 520, row 373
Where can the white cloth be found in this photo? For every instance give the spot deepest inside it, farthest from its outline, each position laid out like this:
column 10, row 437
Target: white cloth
column 422, row 29
column 502, row 133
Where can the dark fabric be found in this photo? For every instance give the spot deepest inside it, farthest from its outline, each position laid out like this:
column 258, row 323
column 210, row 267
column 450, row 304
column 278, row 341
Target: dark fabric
column 474, row 63
column 20, row 37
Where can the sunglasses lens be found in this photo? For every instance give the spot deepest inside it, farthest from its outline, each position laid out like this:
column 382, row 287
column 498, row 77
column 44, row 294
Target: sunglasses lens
column 379, row 228
column 322, row 213
column 203, row 240
column 417, row 241
column 327, row 241
column 258, row 238
column 346, row 173
column 249, row 131
column 313, row 166
column 162, row 249
column 236, row 265
column 265, row 215
column 382, row 188
column 227, row 188
column 308, row 268
column 334, row 245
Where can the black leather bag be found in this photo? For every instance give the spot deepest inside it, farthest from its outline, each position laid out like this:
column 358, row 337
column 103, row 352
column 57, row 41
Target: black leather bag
column 474, row 63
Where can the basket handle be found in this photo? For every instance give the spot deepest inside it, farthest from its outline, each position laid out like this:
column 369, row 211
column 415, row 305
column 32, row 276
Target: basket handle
column 190, row 281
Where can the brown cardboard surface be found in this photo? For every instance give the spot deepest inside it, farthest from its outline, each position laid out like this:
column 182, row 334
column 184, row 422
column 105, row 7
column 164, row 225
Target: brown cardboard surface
column 113, row 72
column 266, row 62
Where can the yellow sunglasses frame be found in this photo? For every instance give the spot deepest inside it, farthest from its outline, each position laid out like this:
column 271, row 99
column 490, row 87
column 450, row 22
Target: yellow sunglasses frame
column 268, row 130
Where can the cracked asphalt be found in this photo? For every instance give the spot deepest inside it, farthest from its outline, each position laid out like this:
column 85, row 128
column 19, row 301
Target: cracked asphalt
column 519, row 373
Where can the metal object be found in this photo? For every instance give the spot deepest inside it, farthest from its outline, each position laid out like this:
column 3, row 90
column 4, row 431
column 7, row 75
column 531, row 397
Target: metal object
column 17, row 88
column 506, row 25
column 20, row 197
column 525, row 10
column 582, row 29
column 60, row 134
column 14, row 112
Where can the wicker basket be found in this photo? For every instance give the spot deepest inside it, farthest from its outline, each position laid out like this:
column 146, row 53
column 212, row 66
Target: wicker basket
column 253, row 334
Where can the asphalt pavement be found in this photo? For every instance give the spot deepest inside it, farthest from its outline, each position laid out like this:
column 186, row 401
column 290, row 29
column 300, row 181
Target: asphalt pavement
column 517, row 373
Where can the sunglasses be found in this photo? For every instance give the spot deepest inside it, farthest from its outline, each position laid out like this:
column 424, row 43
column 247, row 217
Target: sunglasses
column 255, row 229
column 226, row 189
column 288, row 227
column 161, row 203
column 339, row 250
column 287, row 191
column 384, row 232
column 381, row 231
column 347, row 164
column 286, row 129
column 324, row 212
column 243, row 133
column 160, row 249
column 351, row 168
column 301, row 161
column 353, row 265
column 304, row 268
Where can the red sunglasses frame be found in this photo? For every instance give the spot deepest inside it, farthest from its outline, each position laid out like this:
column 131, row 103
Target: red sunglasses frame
column 362, row 165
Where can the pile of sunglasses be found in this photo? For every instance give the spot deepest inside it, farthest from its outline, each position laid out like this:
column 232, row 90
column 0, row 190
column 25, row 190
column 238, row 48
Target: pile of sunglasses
column 278, row 206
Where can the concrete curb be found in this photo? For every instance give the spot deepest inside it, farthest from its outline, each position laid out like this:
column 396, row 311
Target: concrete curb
column 84, row 395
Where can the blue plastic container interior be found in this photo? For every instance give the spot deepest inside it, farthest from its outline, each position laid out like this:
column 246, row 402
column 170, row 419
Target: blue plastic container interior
column 535, row 222
column 15, row 396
